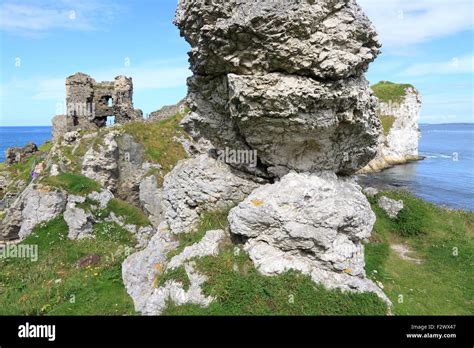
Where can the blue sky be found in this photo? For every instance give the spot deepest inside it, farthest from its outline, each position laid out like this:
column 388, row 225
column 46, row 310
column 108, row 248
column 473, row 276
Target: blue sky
column 426, row 43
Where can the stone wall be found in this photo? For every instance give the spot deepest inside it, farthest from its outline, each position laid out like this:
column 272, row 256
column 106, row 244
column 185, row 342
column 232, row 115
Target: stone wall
column 89, row 103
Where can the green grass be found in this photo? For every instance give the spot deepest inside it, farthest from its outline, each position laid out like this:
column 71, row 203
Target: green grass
column 54, row 286
column 240, row 289
column 22, row 170
column 178, row 274
column 157, row 140
column 130, row 213
column 387, row 123
column 387, row 91
column 442, row 284
column 73, row 183
column 209, row 221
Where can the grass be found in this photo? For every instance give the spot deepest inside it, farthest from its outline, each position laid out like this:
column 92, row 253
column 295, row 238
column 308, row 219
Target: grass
column 209, row 221
column 239, row 289
column 387, row 91
column 22, row 170
column 54, row 286
column 158, row 141
column 178, row 274
column 73, row 183
column 387, row 123
column 443, row 239
column 130, row 213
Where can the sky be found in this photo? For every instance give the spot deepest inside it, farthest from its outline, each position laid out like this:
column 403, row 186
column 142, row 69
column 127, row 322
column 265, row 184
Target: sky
column 428, row 43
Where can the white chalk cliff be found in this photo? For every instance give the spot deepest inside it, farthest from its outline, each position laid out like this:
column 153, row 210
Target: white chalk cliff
column 399, row 143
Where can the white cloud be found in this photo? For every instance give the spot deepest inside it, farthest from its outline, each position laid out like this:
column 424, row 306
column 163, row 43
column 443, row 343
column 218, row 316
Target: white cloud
column 457, row 65
column 406, row 22
column 31, row 18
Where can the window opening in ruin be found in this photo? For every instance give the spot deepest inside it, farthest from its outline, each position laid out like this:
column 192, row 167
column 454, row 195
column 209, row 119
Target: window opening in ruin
column 110, row 120
column 109, row 102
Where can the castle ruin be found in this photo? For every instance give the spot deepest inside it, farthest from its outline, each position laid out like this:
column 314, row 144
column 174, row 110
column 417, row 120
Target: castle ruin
column 90, row 103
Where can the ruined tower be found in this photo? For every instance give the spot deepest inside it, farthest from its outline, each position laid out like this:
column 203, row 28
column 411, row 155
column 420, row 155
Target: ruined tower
column 89, row 103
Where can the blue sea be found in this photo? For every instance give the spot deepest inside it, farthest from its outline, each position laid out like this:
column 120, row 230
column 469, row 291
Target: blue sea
column 20, row 136
column 444, row 177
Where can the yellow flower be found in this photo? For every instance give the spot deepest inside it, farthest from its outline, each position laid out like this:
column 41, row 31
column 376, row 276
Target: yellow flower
column 257, row 202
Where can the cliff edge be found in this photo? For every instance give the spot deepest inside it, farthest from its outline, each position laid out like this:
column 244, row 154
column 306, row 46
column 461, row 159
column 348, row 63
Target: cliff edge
column 398, row 110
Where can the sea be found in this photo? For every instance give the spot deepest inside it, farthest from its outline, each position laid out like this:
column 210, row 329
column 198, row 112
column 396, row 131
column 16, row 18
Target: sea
column 445, row 177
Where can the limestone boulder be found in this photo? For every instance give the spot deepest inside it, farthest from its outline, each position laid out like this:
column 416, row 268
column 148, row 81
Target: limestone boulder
column 323, row 39
column 198, row 185
column 285, row 79
column 391, row 206
column 100, row 162
column 79, row 222
column 151, row 199
column 314, row 223
column 39, row 205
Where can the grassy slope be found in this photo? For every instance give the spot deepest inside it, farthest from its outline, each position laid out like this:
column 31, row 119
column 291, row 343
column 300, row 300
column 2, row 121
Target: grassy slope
column 48, row 285
column 387, row 91
column 158, row 140
column 438, row 286
column 240, row 290
column 75, row 184
column 442, row 284
column 23, row 169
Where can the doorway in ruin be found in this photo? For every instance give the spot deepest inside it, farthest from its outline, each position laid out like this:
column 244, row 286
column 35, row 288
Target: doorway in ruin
column 110, row 120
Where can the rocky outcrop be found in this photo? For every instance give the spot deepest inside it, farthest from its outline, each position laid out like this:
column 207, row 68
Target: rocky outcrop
column 100, row 163
column 398, row 144
column 167, row 111
column 78, row 220
column 314, row 223
column 151, row 199
column 208, row 245
column 284, row 79
column 103, row 197
column 391, row 206
column 17, row 154
column 140, row 269
column 193, row 187
column 198, row 185
column 141, row 273
column 38, row 204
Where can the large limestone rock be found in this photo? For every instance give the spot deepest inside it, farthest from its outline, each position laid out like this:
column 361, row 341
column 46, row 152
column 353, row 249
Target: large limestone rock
column 140, row 272
column 391, row 206
column 79, row 221
column 314, row 223
column 39, row 205
column 201, row 184
column 100, row 162
column 283, row 78
column 151, row 197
